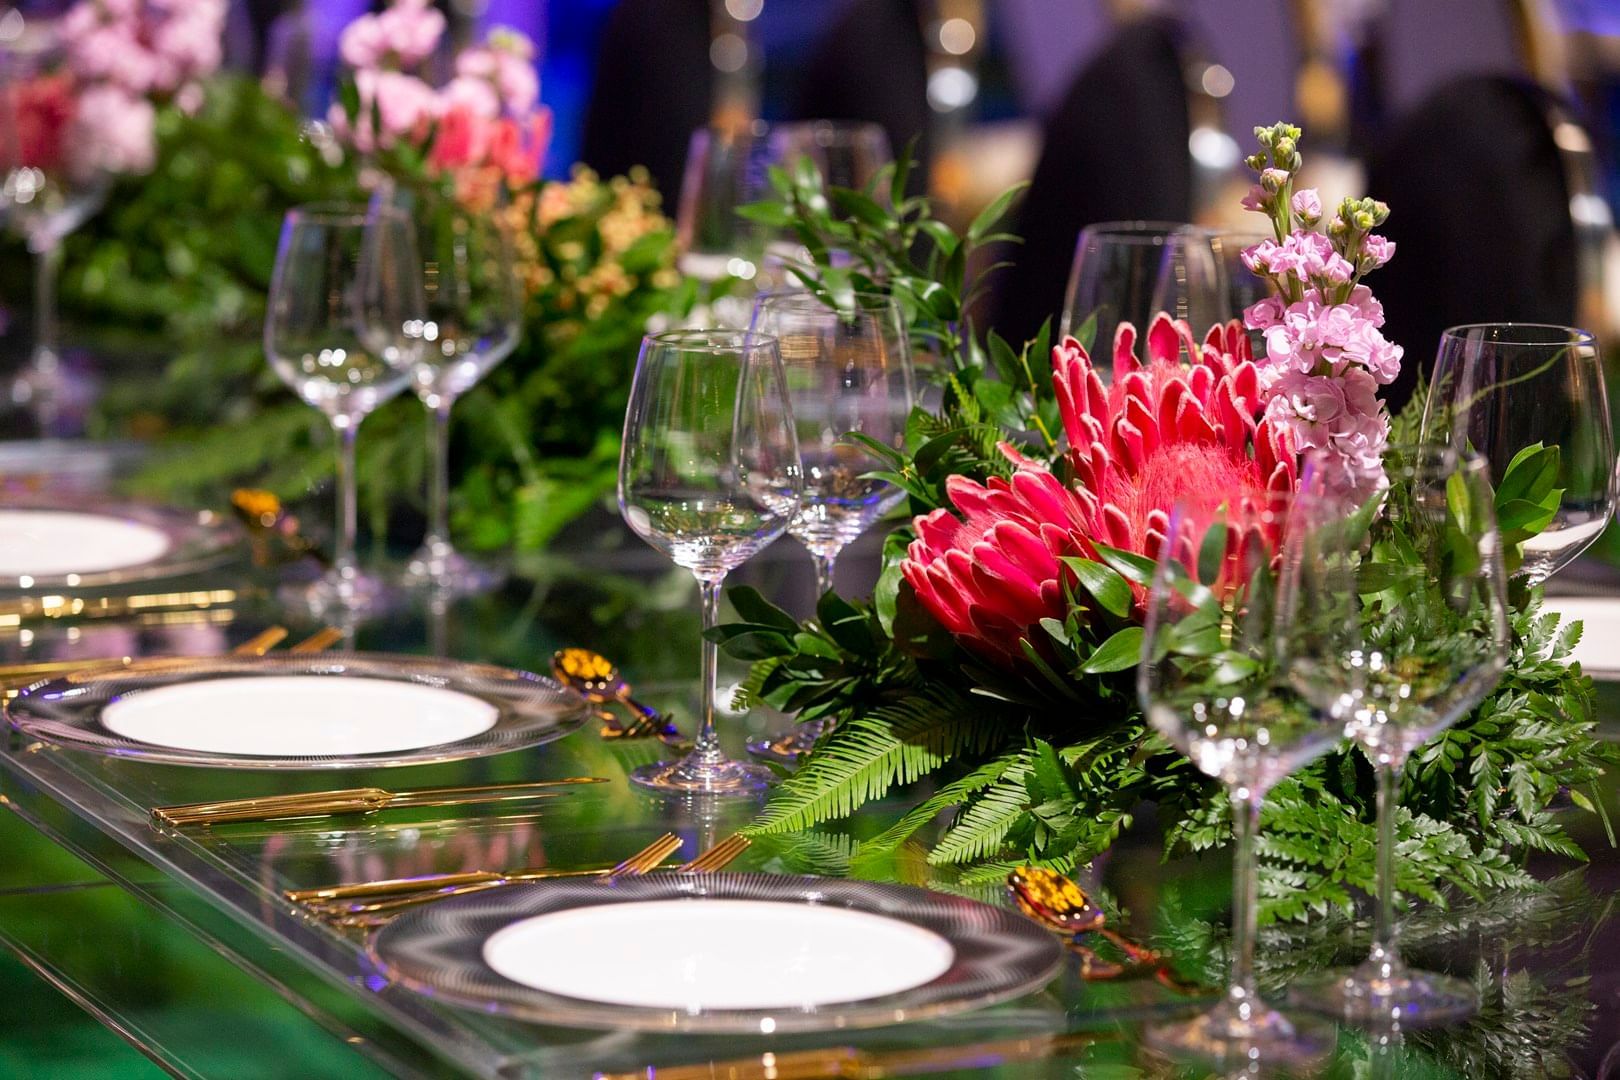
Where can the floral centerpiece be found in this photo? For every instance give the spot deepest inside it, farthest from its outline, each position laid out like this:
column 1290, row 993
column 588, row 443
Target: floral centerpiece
column 187, row 252
column 996, row 654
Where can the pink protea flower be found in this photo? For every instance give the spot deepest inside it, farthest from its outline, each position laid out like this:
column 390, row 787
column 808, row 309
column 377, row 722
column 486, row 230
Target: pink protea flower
column 1167, row 432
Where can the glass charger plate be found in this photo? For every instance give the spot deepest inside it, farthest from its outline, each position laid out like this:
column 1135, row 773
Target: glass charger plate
column 742, row 953
column 67, row 546
column 282, row 711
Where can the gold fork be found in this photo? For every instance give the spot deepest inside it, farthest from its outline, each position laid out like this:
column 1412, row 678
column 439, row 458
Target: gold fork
column 17, row 675
column 377, row 911
column 721, row 855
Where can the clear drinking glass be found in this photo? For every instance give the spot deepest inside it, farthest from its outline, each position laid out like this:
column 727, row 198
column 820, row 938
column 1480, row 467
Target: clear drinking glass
column 474, row 321
column 44, row 196
column 1401, row 648
column 847, row 153
column 1126, row 271
column 709, row 474
column 1500, row 387
column 725, row 169
column 344, row 330
column 1209, row 684
column 847, row 372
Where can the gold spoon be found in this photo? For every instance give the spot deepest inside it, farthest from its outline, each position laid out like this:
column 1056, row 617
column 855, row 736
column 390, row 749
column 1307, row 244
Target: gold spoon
column 1056, row 902
column 596, row 678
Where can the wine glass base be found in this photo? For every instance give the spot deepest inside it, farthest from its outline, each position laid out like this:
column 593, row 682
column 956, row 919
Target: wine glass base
column 693, row 777
column 1408, row 999
column 446, row 570
column 1259, row 1043
column 788, row 748
column 333, row 596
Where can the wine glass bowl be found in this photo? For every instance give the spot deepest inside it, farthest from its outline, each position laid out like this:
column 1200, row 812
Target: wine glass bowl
column 1127, row 271
column 1499, row 388
column 709, row 475
column 343, row 330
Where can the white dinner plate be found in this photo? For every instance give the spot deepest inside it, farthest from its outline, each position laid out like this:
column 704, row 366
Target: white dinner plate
column 717, row 952
column 53, row 546
column 299, row 716
column 285, row 710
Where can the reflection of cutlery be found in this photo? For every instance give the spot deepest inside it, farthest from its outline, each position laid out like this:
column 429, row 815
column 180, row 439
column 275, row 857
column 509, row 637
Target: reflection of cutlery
column 599, row 680
column 354, row 801
column 14, row 613
column 319, row 641
column 850, row 1061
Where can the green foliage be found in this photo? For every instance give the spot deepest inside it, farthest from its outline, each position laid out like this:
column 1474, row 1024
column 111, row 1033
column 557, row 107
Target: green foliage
column 180, row 264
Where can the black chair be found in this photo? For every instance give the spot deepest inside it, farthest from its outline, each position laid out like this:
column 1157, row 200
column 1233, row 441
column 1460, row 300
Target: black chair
column 871, row 65
column 653, row 89
column 1480, row 215
column 1115, row 149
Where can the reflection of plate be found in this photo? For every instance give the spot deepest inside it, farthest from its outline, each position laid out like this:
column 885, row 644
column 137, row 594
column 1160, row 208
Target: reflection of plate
column 44, row 547
column 288, row 711
column 717, row 952
column 1599, row 648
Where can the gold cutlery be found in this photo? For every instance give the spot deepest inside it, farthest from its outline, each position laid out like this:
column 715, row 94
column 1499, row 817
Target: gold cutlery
column 14, row 613
column 366, row 800
column 16, row 675
column 377, row 912
column 320, row 641
column 717, row 857
column 1058, row 903
column 600, row 682
column 854, row 1063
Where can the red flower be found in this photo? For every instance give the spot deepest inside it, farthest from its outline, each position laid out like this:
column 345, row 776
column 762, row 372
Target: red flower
column 42, row 108
column 1166, row 432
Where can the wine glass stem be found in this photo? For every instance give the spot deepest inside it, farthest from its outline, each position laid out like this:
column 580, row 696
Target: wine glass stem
column 707, row 744
column 345, row 428
column 47, row 268
column 824, row 572
column 1245, row 899
column 1389, row 780
column 438, row 533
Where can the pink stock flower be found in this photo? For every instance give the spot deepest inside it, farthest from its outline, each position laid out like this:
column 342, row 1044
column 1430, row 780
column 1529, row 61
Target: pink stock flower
column 114, row 131
column 1376, row 250
column 1166, row 433
column 518, row 83
column 411, row 30
column 477, row 96
column 1307, row 204
column 1255, row 198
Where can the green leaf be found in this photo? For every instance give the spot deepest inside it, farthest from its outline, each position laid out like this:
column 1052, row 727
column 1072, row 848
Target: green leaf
column 1138, row 569
column 754, row 608
column 1107, row 587
column 988, row 218
column 1121, row 651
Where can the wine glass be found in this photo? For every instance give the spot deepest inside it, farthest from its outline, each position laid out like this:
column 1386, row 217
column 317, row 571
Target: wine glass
column 344, row 330
column 847, row 153
column 46, row 192
column 1243, row 287
column 1413, row 635
column 1126, row 271
column 709, row 474
column 848, row 371
column 1501, row 387
column 474, row 320
column 725, row 169
column 1209, row 684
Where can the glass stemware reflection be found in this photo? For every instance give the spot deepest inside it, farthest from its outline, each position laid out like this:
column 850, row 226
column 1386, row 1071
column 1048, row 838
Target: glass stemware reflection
column 848, row 371
column 709, row 474
column 1401, row 646
column 343, row 329
column 42, row 200
column 1126, row 271
column 1501, row 387
column 1209, row 684
column 473, row 322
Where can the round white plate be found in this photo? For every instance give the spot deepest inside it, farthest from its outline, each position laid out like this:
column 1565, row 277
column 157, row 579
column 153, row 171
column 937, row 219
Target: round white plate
column 743, row 953
column 49, row 543
column 298, row 716
column 298, row 711
column 706, row 958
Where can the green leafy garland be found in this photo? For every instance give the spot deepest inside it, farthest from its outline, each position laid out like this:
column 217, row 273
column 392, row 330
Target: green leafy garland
column 178, row 266
column 1050, row 766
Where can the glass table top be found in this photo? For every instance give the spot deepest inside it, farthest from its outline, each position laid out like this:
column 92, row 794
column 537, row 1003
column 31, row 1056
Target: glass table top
column 1546, row 965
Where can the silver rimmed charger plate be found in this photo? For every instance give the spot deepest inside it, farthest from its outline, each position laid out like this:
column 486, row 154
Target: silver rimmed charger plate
column 285, row 711
column 771, row 954
column 95, row 545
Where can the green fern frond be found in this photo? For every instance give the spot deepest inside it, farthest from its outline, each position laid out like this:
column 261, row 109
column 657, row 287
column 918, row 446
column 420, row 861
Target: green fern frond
column 953, row 794
column 983, row 829
column 868, row 755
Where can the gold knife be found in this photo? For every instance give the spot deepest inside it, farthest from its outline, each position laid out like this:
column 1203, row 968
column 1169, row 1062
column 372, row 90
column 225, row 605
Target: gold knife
column 355, row 801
